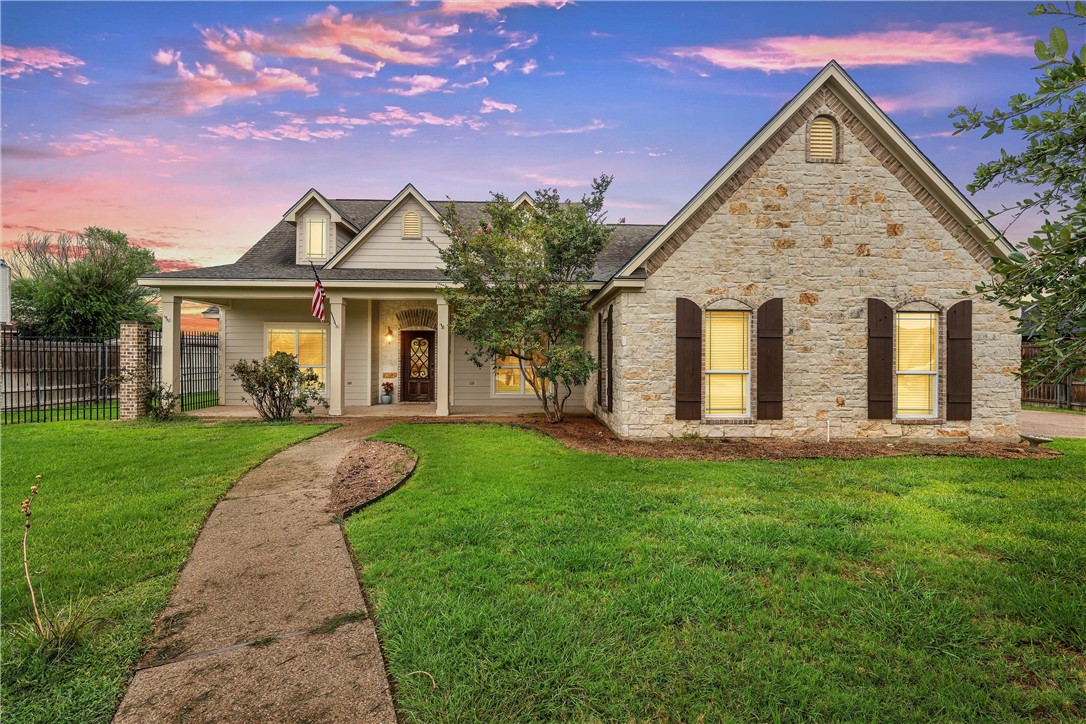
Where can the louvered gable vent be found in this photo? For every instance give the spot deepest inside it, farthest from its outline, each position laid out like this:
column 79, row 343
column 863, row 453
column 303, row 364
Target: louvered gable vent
column 822, row 141
column 412, row 226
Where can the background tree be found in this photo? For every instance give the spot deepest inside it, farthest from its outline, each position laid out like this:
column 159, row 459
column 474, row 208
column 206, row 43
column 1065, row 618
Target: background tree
column 1050, row 278
column 521, row 273
column 79, row 286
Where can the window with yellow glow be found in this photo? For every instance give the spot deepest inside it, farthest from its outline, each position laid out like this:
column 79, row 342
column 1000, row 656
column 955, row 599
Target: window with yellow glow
column 315, row 237
column 309, row 345
column 916, row 363
column 513, row 378
column 727, row 364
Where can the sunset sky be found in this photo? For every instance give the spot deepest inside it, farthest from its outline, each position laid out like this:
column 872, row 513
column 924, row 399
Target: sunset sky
column 193, row 127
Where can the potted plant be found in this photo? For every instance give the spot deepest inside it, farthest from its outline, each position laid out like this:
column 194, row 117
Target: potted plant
column 386, row 393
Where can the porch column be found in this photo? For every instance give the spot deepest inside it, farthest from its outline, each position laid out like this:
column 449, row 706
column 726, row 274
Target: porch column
column 171, row 343
column 442, row 358
column 335, row 354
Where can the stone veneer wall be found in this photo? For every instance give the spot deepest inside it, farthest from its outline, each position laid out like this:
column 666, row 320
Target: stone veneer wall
column 825, row 237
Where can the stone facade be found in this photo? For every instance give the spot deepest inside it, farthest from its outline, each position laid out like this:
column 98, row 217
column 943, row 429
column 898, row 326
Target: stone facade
column 825, row 237
column 133, row 354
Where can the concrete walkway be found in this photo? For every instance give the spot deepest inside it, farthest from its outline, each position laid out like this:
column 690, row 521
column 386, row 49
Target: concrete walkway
column 267, row 622
column 1053, row 424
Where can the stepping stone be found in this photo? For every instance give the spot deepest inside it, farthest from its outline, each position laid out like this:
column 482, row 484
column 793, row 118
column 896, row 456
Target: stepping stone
column 1035, row 441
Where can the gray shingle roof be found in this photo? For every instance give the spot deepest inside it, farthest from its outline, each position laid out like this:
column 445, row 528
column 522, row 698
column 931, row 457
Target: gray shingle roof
column 273, row 257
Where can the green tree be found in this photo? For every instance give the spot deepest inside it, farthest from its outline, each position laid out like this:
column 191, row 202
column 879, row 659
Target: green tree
column 1048, row 278
column 518, row 286
column 79, row 286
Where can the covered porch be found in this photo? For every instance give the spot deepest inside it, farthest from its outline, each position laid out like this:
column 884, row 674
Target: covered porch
column 369, row 338
column 373, row 334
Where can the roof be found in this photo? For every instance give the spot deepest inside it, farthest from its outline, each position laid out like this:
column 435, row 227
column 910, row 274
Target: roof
column 273, row 258
column 631, row 251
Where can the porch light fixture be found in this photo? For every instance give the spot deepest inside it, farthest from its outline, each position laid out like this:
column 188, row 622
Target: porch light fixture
column 388, row 336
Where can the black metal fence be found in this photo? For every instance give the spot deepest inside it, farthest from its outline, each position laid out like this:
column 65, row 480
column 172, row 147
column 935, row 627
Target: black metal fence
column 46, row 379
column 199, row 370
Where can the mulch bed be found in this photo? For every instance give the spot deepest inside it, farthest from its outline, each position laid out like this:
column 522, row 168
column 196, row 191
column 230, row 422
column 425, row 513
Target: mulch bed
column 369, row 471
column 589, row 435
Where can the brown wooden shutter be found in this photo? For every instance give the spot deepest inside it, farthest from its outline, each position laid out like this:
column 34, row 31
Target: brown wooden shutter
column 959, row 361
column 880, row 360
column 599, row 359
column 610, row 357
column 687, row 360
column 771, row 360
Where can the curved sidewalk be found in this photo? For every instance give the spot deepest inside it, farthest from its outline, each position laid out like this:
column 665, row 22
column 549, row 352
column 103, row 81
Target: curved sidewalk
column 267, row 621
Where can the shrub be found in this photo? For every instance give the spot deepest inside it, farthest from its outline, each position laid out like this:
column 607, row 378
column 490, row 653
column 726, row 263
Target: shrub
column 277, row 387
column 159, row 401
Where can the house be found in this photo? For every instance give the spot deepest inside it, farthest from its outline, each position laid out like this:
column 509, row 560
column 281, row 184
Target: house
column 812, row 288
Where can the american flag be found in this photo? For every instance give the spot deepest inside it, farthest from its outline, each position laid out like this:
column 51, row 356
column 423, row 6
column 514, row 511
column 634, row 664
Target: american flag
column 317, row 307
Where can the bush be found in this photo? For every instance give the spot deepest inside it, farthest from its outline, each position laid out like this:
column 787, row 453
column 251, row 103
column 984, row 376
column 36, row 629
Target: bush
column 159, row 401
column 277, row 387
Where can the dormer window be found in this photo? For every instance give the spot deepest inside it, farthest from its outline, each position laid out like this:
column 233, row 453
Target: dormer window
column 822, row 140
column 412, row 225
column 316, row 238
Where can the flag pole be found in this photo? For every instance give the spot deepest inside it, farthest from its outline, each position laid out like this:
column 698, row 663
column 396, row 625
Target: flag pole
column 317, row 277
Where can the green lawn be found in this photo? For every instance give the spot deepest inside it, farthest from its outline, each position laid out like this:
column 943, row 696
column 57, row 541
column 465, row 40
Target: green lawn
column 537, row 583
column 119, row 508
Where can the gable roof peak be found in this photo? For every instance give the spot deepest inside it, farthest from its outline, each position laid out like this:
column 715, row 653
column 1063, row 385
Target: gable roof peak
column 312, row 194
column 857, row 102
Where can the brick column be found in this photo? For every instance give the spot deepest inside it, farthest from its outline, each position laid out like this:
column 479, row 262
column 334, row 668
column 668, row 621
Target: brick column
column 133, row 351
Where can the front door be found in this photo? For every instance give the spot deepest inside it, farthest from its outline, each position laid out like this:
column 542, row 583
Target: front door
column 417, row 374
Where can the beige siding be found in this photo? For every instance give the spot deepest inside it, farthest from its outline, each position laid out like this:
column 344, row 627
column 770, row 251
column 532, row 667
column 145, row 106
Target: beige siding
column 245, row 339
column 474, row 386
column 343, row 236
column 385, row 248
column 356, row 354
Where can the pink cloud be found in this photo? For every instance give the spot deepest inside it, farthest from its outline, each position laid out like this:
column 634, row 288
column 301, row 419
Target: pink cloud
column 246, row 130
column 417, row 84
column 595, row 125
column 17, row 62
column 947, row 43
column 491, row 8
column 396, row 116
column 166, row 57
column 82, row 144
column 553, row 181
column 490, row 105
column 502, row 65
column 228, row 45
column 341, row 121
column 529, row 67
column 401, row 132
column 207, row 87
column 414, row 44
column 481, row 83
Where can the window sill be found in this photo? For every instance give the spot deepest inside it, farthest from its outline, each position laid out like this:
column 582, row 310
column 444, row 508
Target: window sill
column 728, row 420
column 918, row 421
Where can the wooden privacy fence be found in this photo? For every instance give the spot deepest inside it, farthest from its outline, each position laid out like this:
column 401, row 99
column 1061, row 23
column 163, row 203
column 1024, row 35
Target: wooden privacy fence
column 1069, row 393
column 48, row 379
